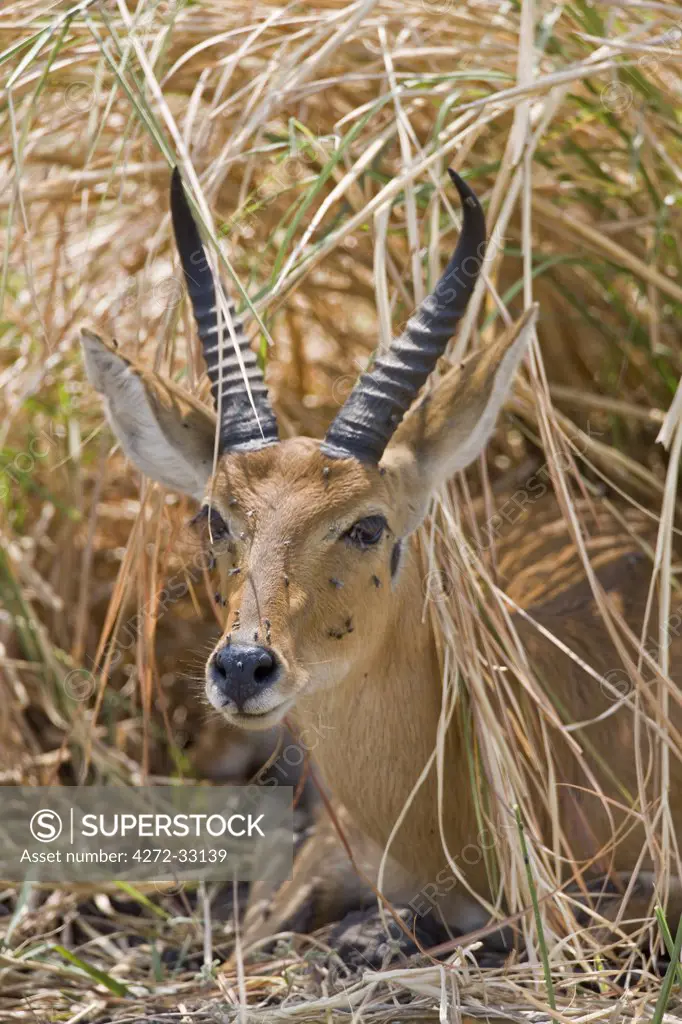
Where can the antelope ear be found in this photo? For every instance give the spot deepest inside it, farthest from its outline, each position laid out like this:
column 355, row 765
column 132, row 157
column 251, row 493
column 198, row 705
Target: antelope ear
column 166, row 433
column 451, row 424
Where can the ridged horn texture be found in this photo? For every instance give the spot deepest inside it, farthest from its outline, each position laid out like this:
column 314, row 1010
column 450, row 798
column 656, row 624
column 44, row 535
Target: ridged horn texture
column 381, row 397
column 239, row 428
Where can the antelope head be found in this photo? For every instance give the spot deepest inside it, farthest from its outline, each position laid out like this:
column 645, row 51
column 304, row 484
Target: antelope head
column 309, row 536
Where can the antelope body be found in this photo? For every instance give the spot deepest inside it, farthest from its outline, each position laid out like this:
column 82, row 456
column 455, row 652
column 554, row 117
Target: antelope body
column 323, row 579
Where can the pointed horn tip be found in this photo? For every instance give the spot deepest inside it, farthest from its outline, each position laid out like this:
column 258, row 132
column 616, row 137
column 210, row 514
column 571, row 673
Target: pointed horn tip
column 466, row 193
column 181, row 212
column 186, row 231
column 178, row 197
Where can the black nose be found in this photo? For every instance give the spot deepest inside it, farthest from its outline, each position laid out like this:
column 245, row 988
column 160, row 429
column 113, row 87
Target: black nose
column 240, row 671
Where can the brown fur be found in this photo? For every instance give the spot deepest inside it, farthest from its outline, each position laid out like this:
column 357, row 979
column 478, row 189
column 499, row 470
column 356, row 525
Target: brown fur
column 378, row 730
column 362, row 667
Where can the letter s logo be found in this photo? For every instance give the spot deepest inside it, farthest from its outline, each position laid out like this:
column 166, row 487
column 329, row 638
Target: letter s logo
column 46, row 826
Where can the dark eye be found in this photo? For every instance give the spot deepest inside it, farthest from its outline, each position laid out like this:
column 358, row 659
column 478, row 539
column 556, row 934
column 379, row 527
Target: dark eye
column 367, row 532
column 215, row 526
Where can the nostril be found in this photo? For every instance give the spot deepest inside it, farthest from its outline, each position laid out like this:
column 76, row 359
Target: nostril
column 219, row 665
column 263, row 669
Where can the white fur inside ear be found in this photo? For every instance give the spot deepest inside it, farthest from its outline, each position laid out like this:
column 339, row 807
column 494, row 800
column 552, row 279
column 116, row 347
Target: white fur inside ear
column 475, row 442
column 139, row 426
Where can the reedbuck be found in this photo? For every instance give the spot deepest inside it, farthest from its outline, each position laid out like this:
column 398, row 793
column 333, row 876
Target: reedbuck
column 321, row 576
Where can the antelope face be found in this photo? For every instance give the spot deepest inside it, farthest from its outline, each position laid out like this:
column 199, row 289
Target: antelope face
column 308, row 536
column 308, row 550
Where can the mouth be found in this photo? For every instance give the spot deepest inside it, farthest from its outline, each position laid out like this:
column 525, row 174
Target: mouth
column 258, row 720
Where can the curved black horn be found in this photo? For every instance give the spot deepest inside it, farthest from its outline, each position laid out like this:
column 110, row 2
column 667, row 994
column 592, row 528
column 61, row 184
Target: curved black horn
column 239, row 428
column 381, row 397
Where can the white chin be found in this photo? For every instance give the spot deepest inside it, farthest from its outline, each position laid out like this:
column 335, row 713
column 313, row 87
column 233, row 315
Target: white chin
column 256, row 722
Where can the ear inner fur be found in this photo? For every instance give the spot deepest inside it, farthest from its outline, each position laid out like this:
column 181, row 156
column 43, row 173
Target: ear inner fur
column 165, row 431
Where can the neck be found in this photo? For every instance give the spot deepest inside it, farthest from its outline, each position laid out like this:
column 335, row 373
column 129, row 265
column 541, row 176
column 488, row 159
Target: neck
column 373, row 734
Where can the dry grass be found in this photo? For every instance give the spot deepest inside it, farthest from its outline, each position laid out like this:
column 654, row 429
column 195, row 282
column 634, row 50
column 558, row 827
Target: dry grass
column 317, row 137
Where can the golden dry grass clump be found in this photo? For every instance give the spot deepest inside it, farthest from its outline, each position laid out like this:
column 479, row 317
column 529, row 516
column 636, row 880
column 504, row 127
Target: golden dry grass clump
column 315, row 138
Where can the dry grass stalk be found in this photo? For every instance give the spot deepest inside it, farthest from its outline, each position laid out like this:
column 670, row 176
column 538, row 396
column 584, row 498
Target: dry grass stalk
column 315, row 139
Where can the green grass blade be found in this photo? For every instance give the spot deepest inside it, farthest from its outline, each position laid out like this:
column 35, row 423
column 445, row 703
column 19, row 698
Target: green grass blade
column 101, row 977
column 544, row 955
column 675, row 967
